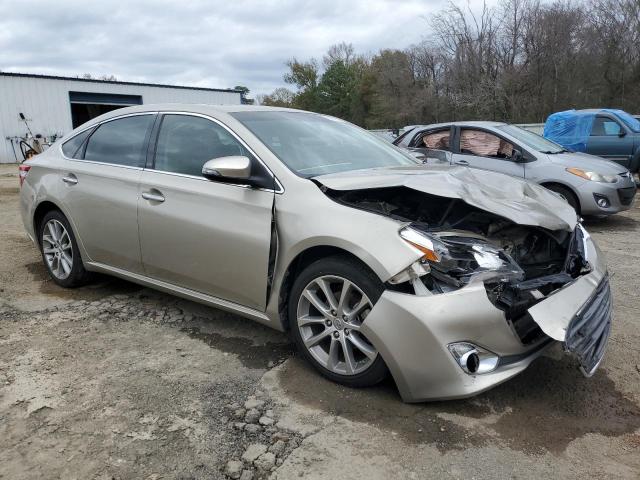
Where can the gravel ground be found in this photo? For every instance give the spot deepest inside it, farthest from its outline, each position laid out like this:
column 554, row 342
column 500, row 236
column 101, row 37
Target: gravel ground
column 116, row 381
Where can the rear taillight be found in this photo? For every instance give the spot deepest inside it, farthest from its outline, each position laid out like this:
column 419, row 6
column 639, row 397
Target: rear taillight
column 23, row 169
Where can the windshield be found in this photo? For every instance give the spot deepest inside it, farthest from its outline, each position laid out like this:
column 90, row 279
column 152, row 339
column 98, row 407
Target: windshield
column 312, row 144
column 532, row 140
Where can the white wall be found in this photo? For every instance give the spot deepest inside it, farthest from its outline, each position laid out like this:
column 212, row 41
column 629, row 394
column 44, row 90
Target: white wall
column 45, row 104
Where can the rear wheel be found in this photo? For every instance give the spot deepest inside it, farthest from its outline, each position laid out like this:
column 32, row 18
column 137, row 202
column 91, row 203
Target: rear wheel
column 567, row 195
column 328, row 304
column 60, row 252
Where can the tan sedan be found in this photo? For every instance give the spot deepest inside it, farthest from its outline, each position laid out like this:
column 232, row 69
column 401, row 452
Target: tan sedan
column 451, row 279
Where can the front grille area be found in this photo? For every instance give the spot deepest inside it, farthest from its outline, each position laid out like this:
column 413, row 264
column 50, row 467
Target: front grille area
column 588, row 332
column 626, row 195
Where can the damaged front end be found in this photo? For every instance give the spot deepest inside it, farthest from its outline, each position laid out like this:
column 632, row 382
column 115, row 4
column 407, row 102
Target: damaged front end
column 524, row 269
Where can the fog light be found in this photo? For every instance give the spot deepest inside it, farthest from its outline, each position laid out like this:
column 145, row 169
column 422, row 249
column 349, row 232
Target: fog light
column 601, row 200
column 472, row 359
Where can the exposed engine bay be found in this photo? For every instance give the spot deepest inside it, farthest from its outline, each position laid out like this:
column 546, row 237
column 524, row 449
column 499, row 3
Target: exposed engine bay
column 520, row 265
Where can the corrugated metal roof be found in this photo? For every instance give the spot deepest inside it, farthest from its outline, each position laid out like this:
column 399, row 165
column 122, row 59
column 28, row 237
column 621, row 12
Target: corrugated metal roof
column 116, row 82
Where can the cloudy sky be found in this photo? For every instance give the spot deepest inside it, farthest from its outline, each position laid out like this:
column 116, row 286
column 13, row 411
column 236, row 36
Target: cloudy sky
column 203, row 43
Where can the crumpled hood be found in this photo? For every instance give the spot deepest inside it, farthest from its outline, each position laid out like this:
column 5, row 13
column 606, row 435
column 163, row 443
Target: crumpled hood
column 522, row 202
column 587, row 162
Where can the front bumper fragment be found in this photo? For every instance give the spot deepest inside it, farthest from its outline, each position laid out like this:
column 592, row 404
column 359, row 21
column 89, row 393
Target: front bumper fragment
column 589, row 330
column 412, row 332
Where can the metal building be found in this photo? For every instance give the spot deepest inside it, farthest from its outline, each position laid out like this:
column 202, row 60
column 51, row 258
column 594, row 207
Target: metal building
column 53, row 106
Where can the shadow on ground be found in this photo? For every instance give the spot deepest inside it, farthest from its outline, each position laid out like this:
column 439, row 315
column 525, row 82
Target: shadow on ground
column 613, row 223
column 543, row 409
column 101, row 287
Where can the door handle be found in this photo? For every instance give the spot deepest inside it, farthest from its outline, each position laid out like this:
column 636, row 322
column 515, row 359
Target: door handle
column 70, row 179
column 153, row 196
column 461, row 162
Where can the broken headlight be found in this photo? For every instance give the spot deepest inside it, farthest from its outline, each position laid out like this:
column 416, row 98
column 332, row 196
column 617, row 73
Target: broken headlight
column 457, row 259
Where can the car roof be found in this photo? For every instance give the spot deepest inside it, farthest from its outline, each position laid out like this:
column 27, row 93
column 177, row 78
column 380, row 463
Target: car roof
column 205, row 109
column 590, row 111
column 470, row 123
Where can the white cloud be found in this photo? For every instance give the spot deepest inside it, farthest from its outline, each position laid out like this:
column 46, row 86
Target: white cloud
column 202, row 43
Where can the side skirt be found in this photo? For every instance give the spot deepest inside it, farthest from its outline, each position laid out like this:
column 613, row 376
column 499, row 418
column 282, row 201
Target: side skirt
column 186, row 293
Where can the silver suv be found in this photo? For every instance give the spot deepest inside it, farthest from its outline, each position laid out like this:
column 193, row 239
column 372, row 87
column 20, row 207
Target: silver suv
column 453, row 280
column 591, row 185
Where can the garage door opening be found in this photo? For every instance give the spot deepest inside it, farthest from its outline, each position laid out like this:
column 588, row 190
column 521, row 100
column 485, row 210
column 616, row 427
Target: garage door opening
column 88, row 105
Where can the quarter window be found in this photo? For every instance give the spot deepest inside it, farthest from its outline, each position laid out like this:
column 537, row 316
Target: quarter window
column 603, row 126
column 71, row 148
column 434, row 140
column 186, row 143
column 120, row 142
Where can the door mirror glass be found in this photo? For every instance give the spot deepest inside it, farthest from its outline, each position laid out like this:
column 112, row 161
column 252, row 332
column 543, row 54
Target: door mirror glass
column 517, row 156
column 233, row 169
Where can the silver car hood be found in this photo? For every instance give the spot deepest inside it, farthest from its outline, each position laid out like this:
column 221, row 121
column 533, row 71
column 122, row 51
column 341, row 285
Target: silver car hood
column 522, row 202
column 587, row 162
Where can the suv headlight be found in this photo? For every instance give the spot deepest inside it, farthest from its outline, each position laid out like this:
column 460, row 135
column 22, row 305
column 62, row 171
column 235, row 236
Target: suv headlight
column 593, row 176
column 460, row 259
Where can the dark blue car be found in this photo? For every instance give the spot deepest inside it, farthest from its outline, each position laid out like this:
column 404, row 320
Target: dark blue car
column 607, row 133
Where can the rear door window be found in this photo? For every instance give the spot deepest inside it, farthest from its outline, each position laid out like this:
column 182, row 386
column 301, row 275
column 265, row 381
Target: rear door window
column 185, row 143
column 71, row 148
column 120, row 142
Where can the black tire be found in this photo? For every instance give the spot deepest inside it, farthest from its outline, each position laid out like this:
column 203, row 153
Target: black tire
column 567, row 195
column 362, row 278
column 78, row 276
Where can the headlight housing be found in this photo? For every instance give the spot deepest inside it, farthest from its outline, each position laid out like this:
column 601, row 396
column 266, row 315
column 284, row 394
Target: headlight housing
column 458, row 259
column 593, row 176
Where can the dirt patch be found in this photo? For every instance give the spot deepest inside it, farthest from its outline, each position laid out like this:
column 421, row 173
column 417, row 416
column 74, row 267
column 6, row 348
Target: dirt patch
column 382, row 407
column 611, row 224
column 250, row 354
column 544, row 409
column 101, row 287
column 9, row 190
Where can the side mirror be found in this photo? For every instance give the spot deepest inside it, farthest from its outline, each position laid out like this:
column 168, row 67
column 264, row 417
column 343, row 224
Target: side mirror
column 517, row 156
column 622, row 133
column 234, row 169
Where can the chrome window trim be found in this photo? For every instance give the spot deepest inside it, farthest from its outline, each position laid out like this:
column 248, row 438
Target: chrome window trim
column 202, row 179
column 280, row 188
column 95, row 125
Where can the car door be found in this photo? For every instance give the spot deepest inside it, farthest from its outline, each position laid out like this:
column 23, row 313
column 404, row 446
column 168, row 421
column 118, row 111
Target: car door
column 478, row 148
column 101, row 174
column 610, row 139
column 206, row 236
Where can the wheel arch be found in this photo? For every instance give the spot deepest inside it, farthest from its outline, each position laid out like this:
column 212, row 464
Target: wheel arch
column 44, row 207
column 39, row 213
column 634, row 166
column 299, row 263
column 548, row 184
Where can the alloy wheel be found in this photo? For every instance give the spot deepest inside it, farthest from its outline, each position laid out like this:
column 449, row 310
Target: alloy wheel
column 330, row 313
column 57, row 249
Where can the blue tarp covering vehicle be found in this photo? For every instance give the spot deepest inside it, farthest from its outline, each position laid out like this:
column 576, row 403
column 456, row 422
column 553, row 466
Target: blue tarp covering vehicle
column 609, row 133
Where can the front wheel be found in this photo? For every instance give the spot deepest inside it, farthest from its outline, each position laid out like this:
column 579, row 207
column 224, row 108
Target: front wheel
column 329, row 303
column 567, row 195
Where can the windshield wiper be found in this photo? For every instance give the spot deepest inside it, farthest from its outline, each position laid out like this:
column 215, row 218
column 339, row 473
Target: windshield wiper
column 553, row 152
